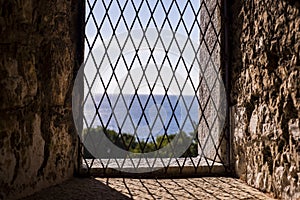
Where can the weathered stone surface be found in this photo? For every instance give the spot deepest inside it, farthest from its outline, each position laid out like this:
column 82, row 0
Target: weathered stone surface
column 37, row 64
column 212, row 95
column 266, row 94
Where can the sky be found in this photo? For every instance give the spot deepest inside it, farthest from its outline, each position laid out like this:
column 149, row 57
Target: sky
column 143, row 64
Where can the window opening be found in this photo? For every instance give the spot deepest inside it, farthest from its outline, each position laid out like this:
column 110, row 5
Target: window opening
column 153, row 92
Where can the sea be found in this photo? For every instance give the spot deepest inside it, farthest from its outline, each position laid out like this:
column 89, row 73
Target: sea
column 142, row 114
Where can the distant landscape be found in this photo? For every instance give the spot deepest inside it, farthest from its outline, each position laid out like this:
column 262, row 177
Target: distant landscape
column 137, row 114
column 130, row 143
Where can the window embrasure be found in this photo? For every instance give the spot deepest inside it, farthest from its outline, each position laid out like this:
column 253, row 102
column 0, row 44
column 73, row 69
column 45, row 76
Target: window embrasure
column 153, row 92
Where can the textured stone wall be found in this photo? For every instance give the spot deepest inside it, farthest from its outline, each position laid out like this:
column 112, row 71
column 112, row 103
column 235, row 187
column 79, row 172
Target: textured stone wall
column 38, row 46
column 212, row 90
column 266, row 94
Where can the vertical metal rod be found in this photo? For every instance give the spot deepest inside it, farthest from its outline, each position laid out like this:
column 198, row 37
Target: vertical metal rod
column 79, row 33
column 227, row 79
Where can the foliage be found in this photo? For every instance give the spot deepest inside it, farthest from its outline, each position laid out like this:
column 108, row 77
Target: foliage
column 130, row 143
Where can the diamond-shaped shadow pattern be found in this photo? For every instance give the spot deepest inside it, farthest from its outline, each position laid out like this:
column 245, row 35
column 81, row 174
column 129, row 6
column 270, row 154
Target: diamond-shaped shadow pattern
column 152, row 78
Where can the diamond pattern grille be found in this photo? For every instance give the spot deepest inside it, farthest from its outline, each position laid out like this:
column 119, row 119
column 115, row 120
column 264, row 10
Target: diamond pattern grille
column 152, row 72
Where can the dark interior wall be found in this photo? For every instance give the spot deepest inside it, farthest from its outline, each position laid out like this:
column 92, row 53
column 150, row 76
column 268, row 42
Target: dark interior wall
column 39, row 43
column 265, row 92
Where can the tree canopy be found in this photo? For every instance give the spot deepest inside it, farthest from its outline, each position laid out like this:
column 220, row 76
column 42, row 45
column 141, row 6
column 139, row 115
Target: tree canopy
column 133, row 144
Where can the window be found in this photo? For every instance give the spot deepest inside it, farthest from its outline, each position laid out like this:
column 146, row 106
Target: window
column 153, row 93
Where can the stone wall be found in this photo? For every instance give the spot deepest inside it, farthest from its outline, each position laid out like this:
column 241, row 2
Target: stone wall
column 38, row 46
column 212, row 90
column 266, row 94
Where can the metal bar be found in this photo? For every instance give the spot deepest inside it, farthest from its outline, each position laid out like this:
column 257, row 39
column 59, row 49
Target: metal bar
column 79, row 34
column 226, row 53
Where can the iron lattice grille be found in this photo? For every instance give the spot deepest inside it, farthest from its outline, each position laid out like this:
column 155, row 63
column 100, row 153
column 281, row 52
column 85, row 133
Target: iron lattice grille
column 152, row 77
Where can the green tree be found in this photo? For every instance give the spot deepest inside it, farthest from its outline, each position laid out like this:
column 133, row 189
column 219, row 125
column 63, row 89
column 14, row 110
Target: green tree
column 129, row 142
